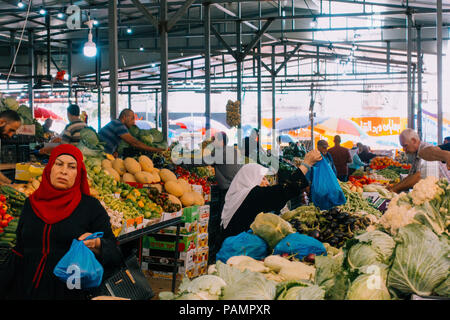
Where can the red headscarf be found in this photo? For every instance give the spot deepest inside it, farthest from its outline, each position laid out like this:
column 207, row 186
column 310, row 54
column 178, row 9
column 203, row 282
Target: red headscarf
column 53, row 205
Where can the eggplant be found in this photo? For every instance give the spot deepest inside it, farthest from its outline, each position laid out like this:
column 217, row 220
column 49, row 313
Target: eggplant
column 310, row 258
column 314, row 233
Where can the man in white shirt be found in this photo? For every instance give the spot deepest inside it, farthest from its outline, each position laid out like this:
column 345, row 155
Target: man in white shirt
column 420, row 153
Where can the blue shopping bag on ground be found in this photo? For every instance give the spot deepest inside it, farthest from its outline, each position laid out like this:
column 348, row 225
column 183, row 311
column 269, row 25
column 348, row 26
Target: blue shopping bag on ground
column 326, row 192
column 299, row 245
column 78, row 267
column 243, row 244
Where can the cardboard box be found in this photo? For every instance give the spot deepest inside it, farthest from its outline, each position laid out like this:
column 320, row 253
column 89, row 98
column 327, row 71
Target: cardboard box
column 28, row 171
column 202, row 240
column 158, row 259
column 190, row 214
column 201, row 269
column 182, row 274
column 204, row 213
column 185, row 228
column 202, row 255
column 131, row 225
column 158, row 241
column 27, row 129
column 171, row 215
column 202, row 227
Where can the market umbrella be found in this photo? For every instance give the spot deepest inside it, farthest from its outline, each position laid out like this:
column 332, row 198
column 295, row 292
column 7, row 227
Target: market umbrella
column 42, row 114
column 198, row 123
column 296, row 122
column 144, row 125
column 285, row 138
column 340, row 126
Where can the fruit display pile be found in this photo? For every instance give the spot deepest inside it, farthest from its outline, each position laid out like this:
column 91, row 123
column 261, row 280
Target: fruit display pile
column 233, row 113
column 197, row 176
column 11, row 204
column 378, row 163
column 333, row 227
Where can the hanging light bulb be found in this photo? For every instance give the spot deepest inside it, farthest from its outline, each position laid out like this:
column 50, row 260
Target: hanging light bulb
column 42, row 11
column 314, row 23
column 20, row 4
column 90, row 49
column 95, row 22
column 141, row 48
column 129, row 30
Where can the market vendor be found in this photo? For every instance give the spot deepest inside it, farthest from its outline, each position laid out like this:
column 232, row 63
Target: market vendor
column 250, row 194
column 419, row 153
column 10, row 122
column 71, row 133
column 116, row 130
column 58, row 212
column 364, row 154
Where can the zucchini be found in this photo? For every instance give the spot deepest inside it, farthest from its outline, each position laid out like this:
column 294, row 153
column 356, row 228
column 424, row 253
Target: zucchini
column 5, row 243
column 8, row 234
column 8, row 239
column 10, row 229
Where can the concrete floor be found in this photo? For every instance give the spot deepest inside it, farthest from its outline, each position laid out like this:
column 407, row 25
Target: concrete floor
column 159, row 285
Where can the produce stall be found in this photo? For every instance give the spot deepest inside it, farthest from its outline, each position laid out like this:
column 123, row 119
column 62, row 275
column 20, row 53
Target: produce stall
column 350, row 252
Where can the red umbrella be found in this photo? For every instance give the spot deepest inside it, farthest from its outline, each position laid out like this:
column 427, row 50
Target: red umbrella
column 41, row 113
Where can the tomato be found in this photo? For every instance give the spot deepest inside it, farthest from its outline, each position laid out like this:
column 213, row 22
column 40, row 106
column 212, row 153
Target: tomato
column 4, row 223
column 2, row 198
column 7, row 216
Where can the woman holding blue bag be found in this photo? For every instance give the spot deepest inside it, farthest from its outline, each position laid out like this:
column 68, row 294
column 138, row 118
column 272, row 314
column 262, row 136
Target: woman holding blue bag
column 250, row 194
column 58, row 212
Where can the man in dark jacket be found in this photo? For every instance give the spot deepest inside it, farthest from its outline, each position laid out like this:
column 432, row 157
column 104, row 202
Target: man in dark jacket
column 341, row 157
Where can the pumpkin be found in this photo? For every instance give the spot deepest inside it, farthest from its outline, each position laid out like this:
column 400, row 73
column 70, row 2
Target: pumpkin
column 188, row 199
column 186, row 186
column 157, row 186
column 144, row 177
column 146, row 163
column 128, row 177
column 106, row 163
column 132, row 165
column 156, row 178
column 174, row 188
column 167, row 175
column 113, row 172
column 119, row 166
column 199, row 200
column 174, row 200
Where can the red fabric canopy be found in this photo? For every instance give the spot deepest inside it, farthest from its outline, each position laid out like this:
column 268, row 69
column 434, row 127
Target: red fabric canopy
column 42, row 114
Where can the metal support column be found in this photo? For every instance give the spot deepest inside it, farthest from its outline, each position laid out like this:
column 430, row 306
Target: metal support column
column 419, row 82
column 12, row 47
column 388, row 56
column 439, row 70
column 98, row 76
column 31, row 69
column 69, row 67
column 156, row 110
column 273, row 94
column 409, row 87
column 47, row 24
column 164, row 43
column 207, row 17
column 259, row 75
column 113, row 59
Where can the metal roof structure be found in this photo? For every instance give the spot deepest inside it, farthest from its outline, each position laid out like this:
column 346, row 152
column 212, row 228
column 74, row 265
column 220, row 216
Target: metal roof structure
column 246, row 45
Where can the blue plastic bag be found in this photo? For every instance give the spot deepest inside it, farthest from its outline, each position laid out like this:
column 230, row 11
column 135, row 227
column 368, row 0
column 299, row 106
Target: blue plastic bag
column 78, row 267
column 326, row 192
column 243, row 244
column 299, row 244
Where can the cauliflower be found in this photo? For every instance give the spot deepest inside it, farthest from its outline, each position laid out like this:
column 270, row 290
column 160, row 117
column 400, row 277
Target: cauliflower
column 425, row 190
column 247, row 263
column 397, row 215
column 276, row 262
column 208, row 287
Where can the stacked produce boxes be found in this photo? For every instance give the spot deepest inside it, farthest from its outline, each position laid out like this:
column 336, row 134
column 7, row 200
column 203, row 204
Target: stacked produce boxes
column 158, row 248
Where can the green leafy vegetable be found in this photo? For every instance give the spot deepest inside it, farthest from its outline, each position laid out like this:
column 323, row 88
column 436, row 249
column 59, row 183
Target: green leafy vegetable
column 368, row 287
column 421, row 261
column 312, row 292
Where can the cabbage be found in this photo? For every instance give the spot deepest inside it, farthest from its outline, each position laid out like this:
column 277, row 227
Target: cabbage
column 271, row 228
column 312, row 292
column 134, row 131
column 443, row 289
column 11, row 103
column 157, row 135
column 331, row 276
column 360, row 255
column 253, row 286
column 380, row 242
column 90, row 138
column 368, row 287
column 421, row 261
column 228, row 273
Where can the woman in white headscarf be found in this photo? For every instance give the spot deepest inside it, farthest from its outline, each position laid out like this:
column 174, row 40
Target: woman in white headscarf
column 250, row 194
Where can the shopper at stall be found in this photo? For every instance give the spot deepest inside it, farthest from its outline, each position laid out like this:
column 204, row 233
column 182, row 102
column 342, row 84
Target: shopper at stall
column 250, row 194
column 47, row 125
column 59, row 211
column 322, row 146
column 117, row 130
column 419, row 153
column 341, row 157
column 9, row 123
column 366, row 155
column 356, row 161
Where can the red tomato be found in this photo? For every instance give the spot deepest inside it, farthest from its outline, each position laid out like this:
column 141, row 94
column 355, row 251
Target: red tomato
column 4, row 223
column 2, row 198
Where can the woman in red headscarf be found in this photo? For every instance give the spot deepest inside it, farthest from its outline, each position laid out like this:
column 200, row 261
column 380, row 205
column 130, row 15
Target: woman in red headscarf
column 60, row 210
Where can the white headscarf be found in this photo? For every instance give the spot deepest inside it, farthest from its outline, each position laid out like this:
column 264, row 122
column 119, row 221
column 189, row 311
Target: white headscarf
column 248, row 177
